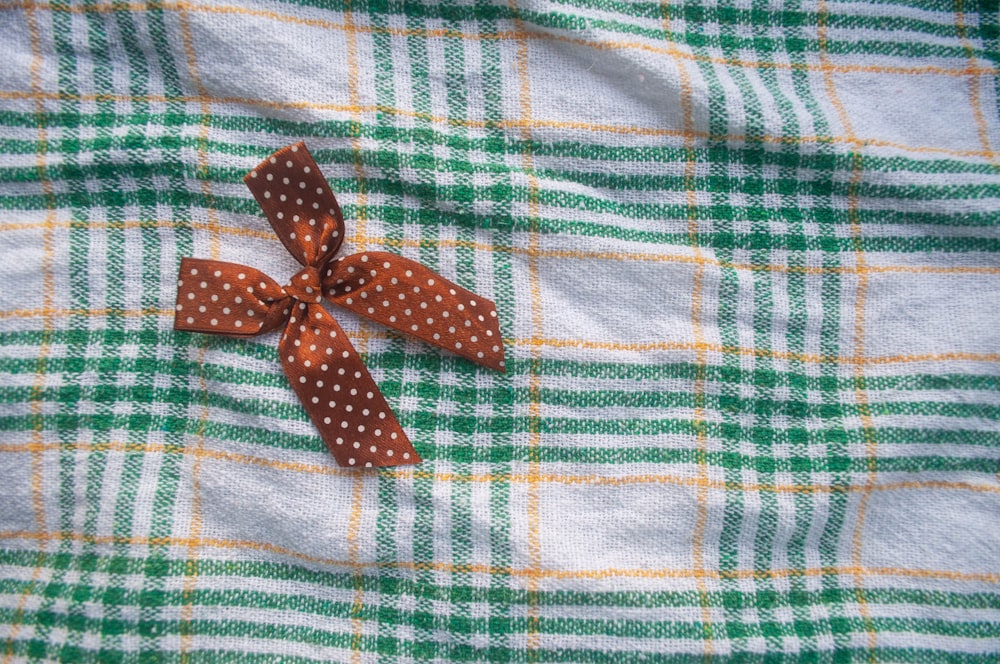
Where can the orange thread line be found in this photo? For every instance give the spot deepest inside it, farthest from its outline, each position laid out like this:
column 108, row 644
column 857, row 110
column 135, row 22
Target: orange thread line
column 48, row 290
column 508, row 124
column 757, row 352
column 360, row 227
column 353, row 547
column 701, row 519
column 735, row 138
column 789, row 269
column 533, row 638
column 95, row 313
column 191, row 564
column 661, row 573
column 864, row 409
column 191, row 568
column 602, row 45
column 48, row 285
column 771, row 574
column 975, row 100
column 810, row 358
column 513, row 478
column 666, row 346
column 859, row 322
column 616, row 256
column 137, row 224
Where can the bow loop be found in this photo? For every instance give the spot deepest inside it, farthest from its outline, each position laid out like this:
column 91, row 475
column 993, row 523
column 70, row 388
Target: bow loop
column 226, row 298
column 299, row 204
column 406, row 296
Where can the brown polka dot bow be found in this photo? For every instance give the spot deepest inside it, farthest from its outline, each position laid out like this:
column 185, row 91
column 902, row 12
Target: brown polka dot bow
column 333, row 384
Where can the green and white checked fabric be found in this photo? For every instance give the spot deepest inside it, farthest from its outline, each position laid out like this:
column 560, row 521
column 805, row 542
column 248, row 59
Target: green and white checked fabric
column 747, row 259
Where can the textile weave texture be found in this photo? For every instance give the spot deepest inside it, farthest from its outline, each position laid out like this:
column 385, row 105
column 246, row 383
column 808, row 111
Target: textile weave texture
column 745, row 257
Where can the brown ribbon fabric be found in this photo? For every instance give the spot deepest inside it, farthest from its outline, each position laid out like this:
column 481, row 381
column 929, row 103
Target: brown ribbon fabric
column 329, row 377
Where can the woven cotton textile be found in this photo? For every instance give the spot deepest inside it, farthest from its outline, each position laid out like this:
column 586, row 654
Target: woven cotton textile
column 746, row 259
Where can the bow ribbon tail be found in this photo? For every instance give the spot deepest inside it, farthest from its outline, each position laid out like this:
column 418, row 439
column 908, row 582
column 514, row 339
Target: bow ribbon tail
column 339, row 394
column 227, row 298
column 406, row 296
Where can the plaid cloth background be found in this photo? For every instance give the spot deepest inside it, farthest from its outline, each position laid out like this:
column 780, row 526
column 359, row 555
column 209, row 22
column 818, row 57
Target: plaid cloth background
column 745, row 255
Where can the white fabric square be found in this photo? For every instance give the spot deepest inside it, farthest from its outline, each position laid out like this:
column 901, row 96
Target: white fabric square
column 924, row 110
column 576, row 83
column 18, row 514
column 15, row 75
column 305, row 512
column 25, row 287
column 940, row 529
column 930, row 313
column 639, row 526
column 601, row 300
column 274, row 60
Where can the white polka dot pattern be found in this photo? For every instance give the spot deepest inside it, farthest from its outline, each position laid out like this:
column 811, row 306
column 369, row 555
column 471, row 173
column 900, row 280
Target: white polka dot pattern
column 226, row 298
column 406, row 296
column 326, row 373
column 339, row 394
column 298, row 202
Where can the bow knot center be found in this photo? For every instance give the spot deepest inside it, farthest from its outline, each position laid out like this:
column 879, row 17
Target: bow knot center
column 306, row 286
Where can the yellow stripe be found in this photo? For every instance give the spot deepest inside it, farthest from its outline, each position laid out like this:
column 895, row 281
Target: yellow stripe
column 329, row 469
column 973, row 69
column 353, row 546
column 48, row 280
column 861, row 395
column 533, row 639
column 809, row 358
column 191, row 567
column 701, row 359
column 864, row 409
column 510, row 124
column 638, row 347
column 435, row 243
column 604, row 573
column 359, row 237
column 48, row 298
